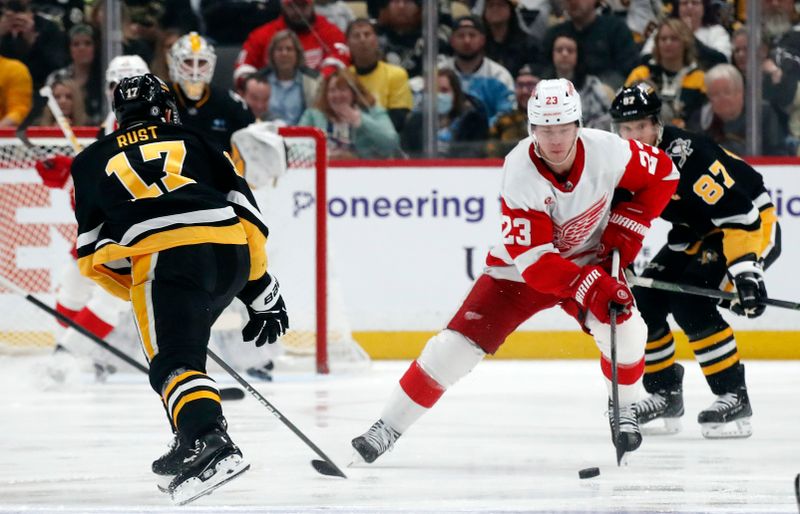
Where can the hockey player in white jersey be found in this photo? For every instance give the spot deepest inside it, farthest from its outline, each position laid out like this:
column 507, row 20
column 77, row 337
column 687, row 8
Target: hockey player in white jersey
column 559, row 226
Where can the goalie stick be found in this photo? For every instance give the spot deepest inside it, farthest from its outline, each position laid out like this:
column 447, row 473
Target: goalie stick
column 700, row 291
column 227, row 393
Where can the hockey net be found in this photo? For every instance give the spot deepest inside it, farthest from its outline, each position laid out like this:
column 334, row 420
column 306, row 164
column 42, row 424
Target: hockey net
column 37, row 230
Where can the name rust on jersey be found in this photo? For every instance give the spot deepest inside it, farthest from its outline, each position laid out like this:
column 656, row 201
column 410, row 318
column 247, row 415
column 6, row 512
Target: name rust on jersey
column 134, row 136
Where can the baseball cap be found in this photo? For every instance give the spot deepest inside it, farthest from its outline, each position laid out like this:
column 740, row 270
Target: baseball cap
column 471, row 21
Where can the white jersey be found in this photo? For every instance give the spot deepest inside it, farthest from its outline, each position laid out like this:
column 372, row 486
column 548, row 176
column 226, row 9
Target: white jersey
column 565, row 217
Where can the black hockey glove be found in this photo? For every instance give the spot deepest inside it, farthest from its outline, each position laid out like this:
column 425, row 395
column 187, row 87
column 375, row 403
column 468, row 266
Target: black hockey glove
column 748, row 277
column 268, row 319
column 681, row 238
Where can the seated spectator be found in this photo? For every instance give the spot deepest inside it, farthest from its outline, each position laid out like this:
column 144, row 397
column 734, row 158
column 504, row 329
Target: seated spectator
column 610, row 51
column 256, row 92
column 711, row 40
column 779, row 84
column 777, row 19
column 387, row 83
column 463, row 126
column 641, row 16
column 164, row 39
column 70, row 100
column 723, row 118
column 568, row 63
column 16, row 92
column 85, row 70
column 336, row 12
column 355, row 125
column 294, row 86
column 32, row 39
column 322, row 42
column 512, row 127
column 400, row 34
column 506, row 43
column 480, row 76
column 673, row 71
column 700, row 17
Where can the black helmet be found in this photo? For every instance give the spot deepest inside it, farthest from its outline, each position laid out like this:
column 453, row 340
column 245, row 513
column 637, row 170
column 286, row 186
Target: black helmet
column 635, row 103
column 142, row 98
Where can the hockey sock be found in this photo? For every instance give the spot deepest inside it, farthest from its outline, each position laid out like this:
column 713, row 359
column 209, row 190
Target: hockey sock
column 446, row 358
column 629, row 377
column 718, row 356
column 659, row 369
column 93, row 323
column 66, row 311
column 192, row 401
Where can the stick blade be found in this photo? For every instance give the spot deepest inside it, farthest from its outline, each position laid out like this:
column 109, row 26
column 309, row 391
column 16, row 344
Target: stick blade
column 231, row 393
column 327, row 468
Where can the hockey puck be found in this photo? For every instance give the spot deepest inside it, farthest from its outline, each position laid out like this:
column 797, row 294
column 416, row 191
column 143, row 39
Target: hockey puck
column 589, row 472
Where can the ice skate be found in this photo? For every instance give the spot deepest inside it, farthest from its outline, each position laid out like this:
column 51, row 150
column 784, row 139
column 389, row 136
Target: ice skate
column 213, row 461
column 171, row 462
column 629, row 437
column 665, row 405
column 728, row 417
column 374, row 442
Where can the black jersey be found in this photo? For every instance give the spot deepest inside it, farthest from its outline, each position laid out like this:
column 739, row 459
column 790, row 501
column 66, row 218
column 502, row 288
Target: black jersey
column 155, row 186
column 217, row 114
column 717, row 191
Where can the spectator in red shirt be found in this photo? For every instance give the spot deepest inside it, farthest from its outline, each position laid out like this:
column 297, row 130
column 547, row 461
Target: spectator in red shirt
column 323, row 43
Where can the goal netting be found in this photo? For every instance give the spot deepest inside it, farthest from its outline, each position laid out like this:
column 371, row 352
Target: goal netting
column 37, row 231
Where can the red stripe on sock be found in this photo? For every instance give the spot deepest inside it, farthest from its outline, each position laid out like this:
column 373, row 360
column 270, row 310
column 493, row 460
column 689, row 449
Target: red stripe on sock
column 627, row 374
column 420, row 387
column 66, row 312
column 89, row 320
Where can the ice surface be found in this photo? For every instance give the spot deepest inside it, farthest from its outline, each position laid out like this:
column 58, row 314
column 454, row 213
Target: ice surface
column 510, row 437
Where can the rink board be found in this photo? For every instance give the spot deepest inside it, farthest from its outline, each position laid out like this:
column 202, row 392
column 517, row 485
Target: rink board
column 405, row 244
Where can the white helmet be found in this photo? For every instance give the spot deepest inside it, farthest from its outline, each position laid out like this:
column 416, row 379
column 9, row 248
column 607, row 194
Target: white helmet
column 554, row 102
column 191, row 64
column 124, row 66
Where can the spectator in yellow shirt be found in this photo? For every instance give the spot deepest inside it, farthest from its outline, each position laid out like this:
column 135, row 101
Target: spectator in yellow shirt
column 387, row 83
column 16, row 92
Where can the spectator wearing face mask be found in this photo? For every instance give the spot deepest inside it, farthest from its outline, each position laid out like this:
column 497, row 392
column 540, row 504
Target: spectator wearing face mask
column 462, row 123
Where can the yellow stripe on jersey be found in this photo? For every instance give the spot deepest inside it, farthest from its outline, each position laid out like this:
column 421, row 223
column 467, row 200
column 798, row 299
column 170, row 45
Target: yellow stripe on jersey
column 140, row 302
column 768, row 220
column 199, row 395
column 712, row 339
column 737, row 242
column 256, row 244
column 119, row 285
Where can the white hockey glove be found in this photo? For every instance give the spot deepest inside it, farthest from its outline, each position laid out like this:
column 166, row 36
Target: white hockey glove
column 748, row 277
column 267, row 311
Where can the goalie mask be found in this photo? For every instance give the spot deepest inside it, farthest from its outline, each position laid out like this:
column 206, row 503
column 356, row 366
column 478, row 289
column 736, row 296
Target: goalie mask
column 144, row 98
column 191, row 64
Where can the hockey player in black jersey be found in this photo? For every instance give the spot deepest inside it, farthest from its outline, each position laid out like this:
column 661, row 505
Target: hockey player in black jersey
column 724, row 234
column 214, row 112
column 165, row 222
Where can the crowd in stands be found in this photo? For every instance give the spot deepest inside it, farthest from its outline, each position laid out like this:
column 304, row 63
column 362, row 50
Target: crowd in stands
column 354, row 69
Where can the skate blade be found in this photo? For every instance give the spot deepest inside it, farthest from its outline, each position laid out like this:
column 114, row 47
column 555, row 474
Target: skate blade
column 357, row 461
column 737, row 429
column 669, row 427
column 226, row 470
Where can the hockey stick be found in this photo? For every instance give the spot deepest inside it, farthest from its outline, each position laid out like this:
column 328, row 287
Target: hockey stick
column 700, row 291
column 614, row 375
column 324, row 466
column 228, row 393
column 62, row 121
